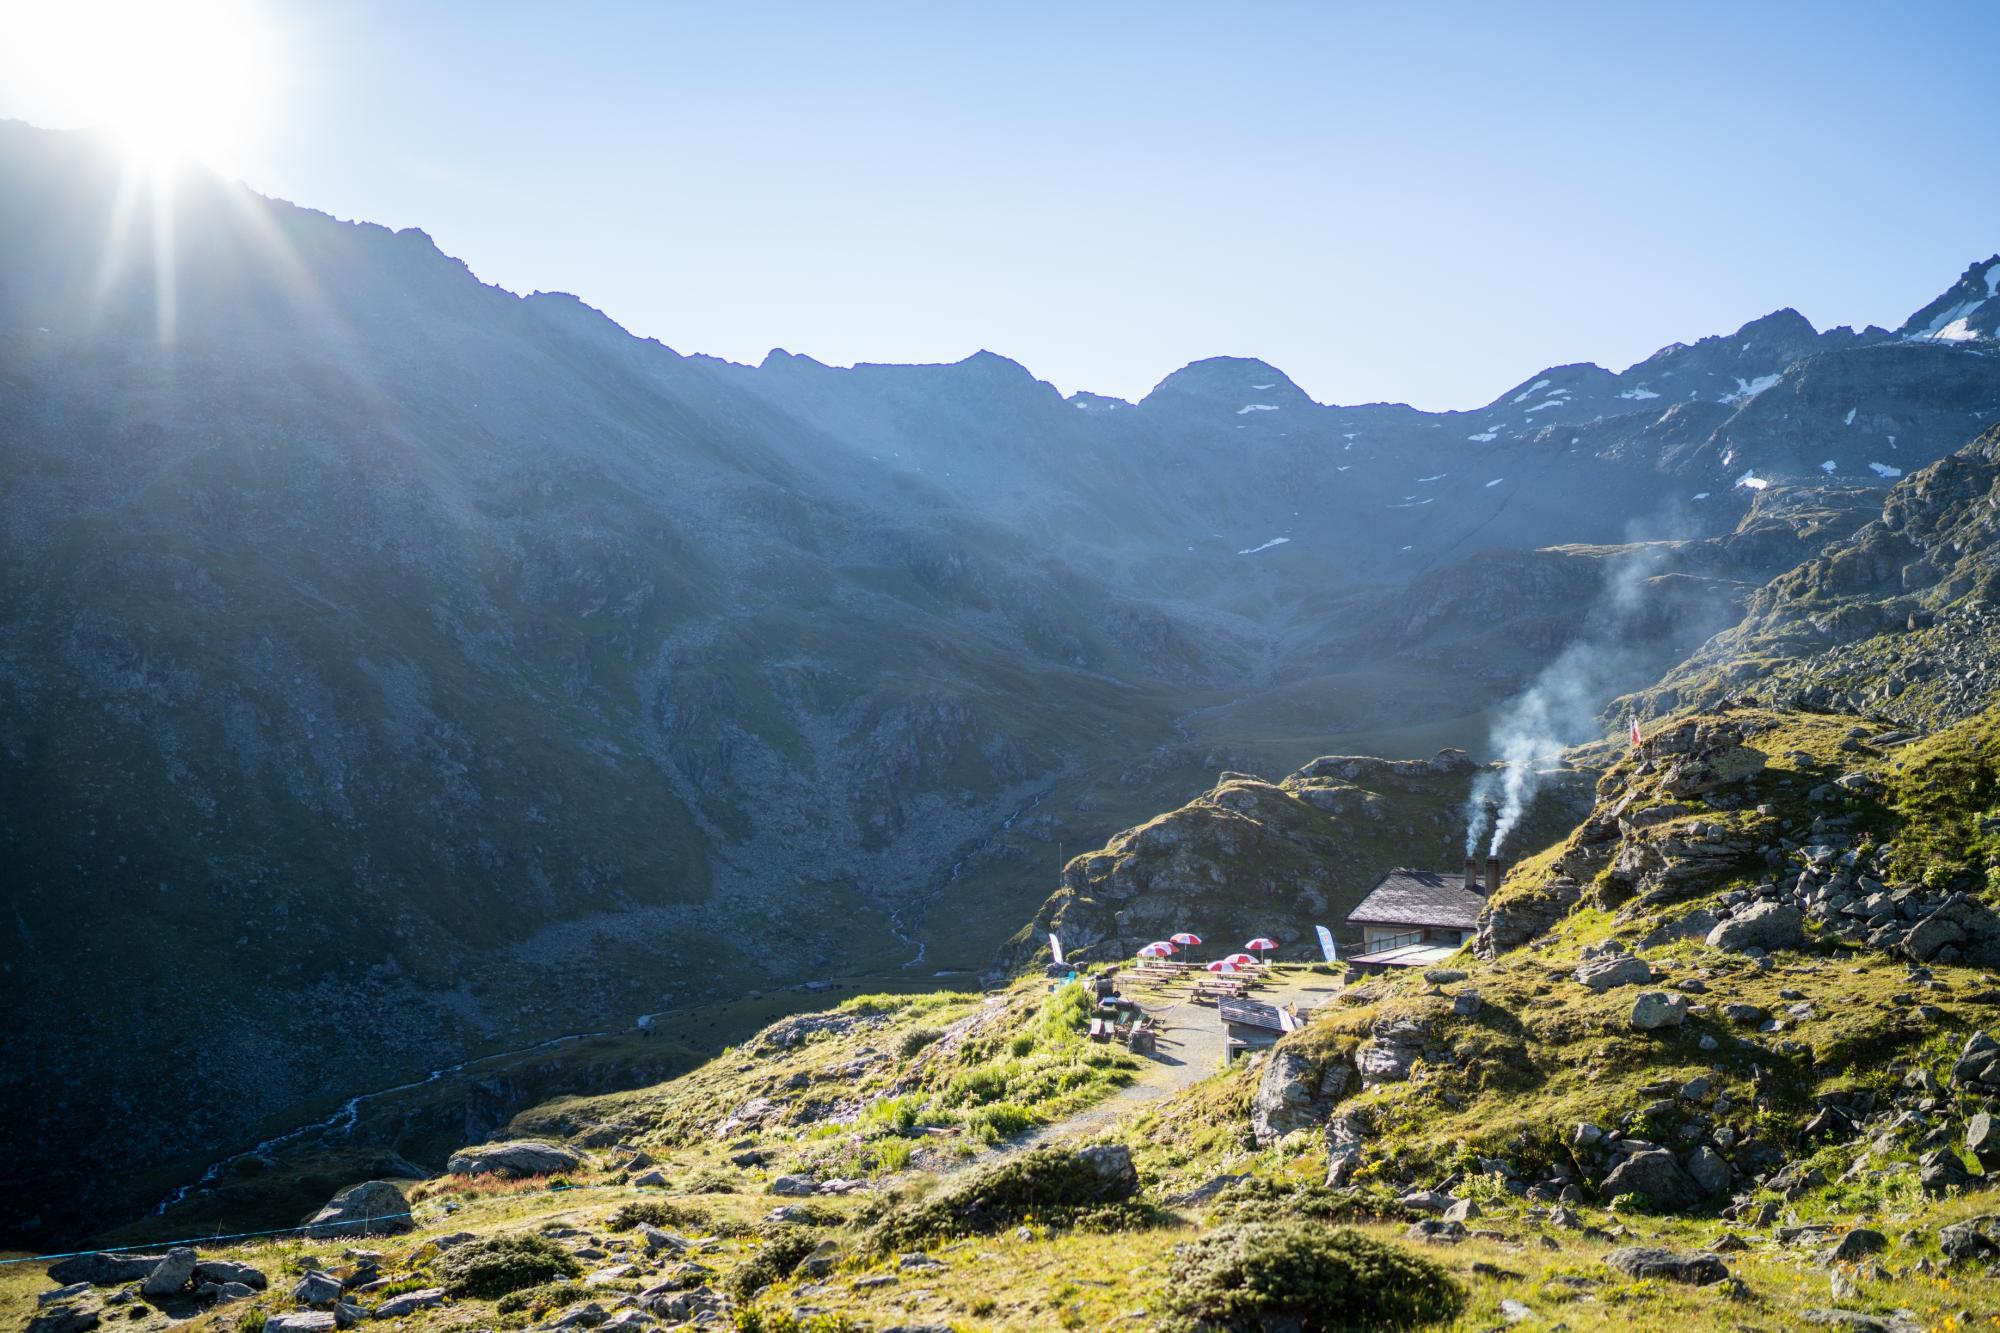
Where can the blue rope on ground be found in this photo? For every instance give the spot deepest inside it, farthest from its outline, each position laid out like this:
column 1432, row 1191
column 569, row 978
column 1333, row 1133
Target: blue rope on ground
column 247, row 1235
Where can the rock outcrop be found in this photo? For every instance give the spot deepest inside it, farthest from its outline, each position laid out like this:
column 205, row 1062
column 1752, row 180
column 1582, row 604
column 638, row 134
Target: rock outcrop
column 522, row 1157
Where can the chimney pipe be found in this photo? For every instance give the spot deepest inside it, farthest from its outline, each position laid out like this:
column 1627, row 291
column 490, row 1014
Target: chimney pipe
column 1492, row 875
column 1472, row 874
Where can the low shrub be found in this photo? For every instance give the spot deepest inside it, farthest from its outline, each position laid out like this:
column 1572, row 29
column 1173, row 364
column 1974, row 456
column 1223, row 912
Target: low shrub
column 1056, row 1185
column 915, row 1040
column 1247, row 1278
column 539, row 1301
column 1260, row 1198
column 892, row 1155
column 494, row 1266
column 756, row 1319
column 656, row 1213
column 773, row 1262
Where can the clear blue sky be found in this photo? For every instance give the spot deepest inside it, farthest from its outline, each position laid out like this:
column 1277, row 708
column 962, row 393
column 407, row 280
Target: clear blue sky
column 1391, row 201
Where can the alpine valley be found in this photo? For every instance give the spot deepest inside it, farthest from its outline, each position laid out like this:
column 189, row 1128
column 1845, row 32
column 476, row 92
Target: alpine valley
column 407, row 685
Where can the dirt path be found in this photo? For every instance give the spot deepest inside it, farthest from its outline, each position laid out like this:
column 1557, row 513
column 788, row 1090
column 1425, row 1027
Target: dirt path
column 1190, row 1049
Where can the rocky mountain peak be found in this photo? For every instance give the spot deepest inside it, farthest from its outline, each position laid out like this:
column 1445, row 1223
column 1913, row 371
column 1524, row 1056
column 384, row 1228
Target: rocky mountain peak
column 1968, row 309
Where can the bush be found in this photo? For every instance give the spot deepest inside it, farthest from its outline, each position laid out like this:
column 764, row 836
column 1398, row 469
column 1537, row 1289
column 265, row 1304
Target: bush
column 1244, row 1279
column 1000, row 1120
column 773, row 1262
column 656, row 1213
column 1259, row 1199
column 916, row 1040
column 539, row 1301
column 892, row 1155
column 494, row 1266
column 1054, row 1184
column 755, row 1319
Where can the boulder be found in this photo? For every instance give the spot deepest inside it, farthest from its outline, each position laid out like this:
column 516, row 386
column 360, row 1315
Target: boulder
column 1111, row 1163
column 1647, row 1261
column 1767, row 926
column 1857, row 1244
column 171, row 1275
column 63, row 1319
column 1939, row 1170
column 515, row 1159
column 304, row 1321
column 317, row 1288
column 1658, row 1009
column 371, row 1208
column 1974, row 1238
column 793, row 1187
column 104, row 1269
column 1289, row 1098
column 1961, row 922
column 1435, row 1231
column 227, row 1270
column 657, row 1240
column 71, row 1292
column 654, row 1177
column 409, row 1302
column 1982, row 1140
column 1855, row 1321
column 1656, row 1175
column 1707, row 1170
column 1602, row 974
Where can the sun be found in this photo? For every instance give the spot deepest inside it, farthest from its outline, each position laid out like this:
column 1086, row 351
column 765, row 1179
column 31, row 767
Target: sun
column 166, row 78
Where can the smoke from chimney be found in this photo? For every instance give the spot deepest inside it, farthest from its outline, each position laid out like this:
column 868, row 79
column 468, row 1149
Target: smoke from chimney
column 1559, row 707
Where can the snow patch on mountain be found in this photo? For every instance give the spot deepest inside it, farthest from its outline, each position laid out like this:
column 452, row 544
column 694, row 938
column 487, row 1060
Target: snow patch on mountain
column 1884, row 470
column 1275, row 541
column 1639, row 393
column 1530, row 391
column 1751, row 481
column 1748, row 389
column 1484, row 437
column 1256, row 407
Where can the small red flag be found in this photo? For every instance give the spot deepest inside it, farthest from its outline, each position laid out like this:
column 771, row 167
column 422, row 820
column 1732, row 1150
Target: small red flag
column 1637, row 739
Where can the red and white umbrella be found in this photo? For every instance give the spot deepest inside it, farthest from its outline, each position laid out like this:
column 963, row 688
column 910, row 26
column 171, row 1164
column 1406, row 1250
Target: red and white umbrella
column 1222, row 965
column 1157, row 949
column 1240, row 960
column 1261, row 943
column 1186, row 938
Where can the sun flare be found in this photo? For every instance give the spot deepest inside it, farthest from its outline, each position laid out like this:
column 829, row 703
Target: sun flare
column 166, row 78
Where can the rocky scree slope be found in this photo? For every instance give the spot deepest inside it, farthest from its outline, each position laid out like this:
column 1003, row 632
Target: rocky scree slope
column 1895, row 620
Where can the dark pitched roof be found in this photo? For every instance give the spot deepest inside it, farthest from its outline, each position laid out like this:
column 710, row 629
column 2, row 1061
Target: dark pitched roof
column 1419, row 898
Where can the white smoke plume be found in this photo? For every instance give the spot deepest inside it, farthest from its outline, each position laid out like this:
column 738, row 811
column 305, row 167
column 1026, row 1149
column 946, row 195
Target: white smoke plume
column 1559, row 707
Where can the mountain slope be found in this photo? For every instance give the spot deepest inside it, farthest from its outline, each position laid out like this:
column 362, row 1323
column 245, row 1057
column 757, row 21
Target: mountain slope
column 394, row 669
